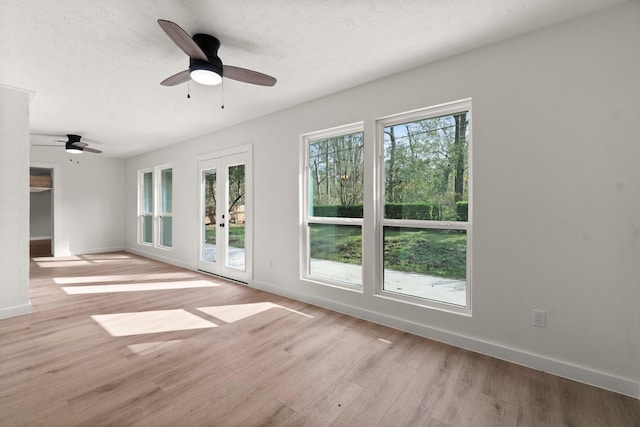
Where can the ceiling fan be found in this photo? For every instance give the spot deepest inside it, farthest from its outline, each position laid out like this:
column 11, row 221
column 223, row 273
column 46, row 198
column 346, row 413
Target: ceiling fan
column 73, row 145
column 205, row 66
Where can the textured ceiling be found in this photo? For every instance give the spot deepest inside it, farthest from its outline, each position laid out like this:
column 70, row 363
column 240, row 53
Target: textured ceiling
column 95, row 65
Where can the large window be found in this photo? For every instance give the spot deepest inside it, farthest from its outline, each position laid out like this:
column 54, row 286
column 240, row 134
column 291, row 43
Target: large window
column 424, row 194
column 165, row 208
column 416, row 212
column 155, row 196
column 333, row 195
column 145, row 223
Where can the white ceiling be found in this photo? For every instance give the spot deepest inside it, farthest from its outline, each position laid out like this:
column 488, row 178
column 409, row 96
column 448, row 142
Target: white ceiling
column 95, row 65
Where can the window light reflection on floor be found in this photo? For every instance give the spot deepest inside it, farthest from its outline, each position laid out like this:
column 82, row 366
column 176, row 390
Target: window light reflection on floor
column 150, row 322
column 137, row 287
column 233, row 313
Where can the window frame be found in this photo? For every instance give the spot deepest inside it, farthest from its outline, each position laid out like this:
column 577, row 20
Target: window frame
column 305, row 217
column 156, row 213
column 159, row 213
column 142, row 212
column 382, row 222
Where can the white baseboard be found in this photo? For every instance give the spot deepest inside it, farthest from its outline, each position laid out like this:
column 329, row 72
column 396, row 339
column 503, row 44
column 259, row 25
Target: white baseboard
column 62, row 253
column 15, row 311
column 161, row 258
column 101, row 250
column 535, row 361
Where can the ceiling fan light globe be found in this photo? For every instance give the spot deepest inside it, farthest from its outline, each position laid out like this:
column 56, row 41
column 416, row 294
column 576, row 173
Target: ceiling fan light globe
column 74, row 150
column 206, row 77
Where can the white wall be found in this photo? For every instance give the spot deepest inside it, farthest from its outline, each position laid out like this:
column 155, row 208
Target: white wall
column 556, row 192
column 88, row 200
column 14, row 202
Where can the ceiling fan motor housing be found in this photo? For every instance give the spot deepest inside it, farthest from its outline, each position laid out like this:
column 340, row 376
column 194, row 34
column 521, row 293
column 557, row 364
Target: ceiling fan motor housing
column 209, row 46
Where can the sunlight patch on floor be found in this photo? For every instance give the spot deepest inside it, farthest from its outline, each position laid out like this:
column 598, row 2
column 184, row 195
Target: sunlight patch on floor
column 51, row 264
column 137, row 287
column 121, row 278
column 146, row 348
column 150, row 322
column 236, row 312
column 57, row 259
column 107, row 256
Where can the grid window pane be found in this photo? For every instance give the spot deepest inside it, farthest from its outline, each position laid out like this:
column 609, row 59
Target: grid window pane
column 166, row 231
column 147, row 204
column 166, row 190
column 147, row 229
column 336, row 176
column 426, row 263
column 426, row 169
column 335, row 252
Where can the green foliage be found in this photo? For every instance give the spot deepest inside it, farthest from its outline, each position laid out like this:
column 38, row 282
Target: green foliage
column 342, row 243
column 423, row 211
column 462, row 210
column 236, row 235
column 338, row 211
column 336, row 170
column 427, row 161
column 436, row 252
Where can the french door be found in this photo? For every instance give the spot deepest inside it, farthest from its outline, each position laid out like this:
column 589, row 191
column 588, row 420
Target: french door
column 225, row 216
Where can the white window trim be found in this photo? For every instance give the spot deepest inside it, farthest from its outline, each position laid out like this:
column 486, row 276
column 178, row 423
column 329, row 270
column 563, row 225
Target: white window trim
column 306, row 219
column 158, row 214
column 381, row 222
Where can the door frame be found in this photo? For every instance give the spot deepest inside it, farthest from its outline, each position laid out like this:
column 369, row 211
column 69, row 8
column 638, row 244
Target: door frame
column 247, row 150
column 56, row 201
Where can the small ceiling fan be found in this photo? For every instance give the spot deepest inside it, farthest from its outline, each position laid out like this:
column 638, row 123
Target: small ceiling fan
column 73, row 145
column 205, row 66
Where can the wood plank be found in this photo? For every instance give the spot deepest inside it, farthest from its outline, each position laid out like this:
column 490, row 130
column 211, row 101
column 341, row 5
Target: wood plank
column 291, row 364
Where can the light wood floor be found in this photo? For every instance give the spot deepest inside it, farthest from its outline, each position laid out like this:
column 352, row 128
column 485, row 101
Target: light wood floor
column 92, row 354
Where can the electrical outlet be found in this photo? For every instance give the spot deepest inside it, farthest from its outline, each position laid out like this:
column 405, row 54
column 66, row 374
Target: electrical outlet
column 539, row 318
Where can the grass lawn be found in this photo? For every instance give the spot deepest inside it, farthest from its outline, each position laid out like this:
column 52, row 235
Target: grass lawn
column 236, row 235
column 437, row 252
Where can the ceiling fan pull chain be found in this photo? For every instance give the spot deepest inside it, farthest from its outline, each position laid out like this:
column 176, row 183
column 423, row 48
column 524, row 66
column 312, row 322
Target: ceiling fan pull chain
column 188, row 89
column 222, row 93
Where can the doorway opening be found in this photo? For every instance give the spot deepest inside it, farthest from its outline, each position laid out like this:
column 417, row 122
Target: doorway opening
column 41, row 212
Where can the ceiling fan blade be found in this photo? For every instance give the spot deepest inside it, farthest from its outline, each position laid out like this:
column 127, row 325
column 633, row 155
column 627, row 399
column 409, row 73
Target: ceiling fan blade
column 176, row 79
column 91, row 150
column 248, row 76
column 45, row 145
column 79, row 144
column 182, row 39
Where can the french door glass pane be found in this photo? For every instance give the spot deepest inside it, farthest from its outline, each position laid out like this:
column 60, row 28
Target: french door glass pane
column 209, row 216
column 236, row 215
column 426, row 263
column 335, row 252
